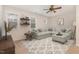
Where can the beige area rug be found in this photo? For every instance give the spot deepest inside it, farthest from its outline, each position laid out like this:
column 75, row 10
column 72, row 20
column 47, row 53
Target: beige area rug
column 43, row 46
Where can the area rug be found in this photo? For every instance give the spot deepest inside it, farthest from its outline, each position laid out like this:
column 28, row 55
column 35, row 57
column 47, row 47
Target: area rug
column 45, row 46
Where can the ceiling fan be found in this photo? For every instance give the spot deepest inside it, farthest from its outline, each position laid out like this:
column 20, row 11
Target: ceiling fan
column 52, row 8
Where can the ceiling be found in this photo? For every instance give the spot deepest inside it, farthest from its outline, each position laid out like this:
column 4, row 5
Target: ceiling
column 39, row 9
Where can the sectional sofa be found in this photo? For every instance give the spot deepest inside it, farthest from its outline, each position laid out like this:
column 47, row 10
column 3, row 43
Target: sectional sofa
column 66, row 35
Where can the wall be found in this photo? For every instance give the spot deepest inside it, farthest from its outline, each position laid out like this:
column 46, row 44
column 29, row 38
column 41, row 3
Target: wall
column 0, row 11
column 1, row 21
column 18, row 33
column 77, row 24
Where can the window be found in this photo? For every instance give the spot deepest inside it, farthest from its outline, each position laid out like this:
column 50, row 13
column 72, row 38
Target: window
column 12, row 20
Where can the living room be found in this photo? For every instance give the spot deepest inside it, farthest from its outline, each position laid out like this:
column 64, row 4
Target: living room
column 45, row 25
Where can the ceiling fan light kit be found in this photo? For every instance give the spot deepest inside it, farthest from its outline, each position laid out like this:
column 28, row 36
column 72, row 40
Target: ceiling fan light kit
column 52, row 8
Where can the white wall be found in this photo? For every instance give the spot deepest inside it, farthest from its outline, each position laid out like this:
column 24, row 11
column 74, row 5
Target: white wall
column 1, row 20
column 77, row 25
column 0, row 11
column 18, row 33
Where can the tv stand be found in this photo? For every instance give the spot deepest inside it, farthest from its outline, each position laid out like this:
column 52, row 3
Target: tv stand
column 7, row 46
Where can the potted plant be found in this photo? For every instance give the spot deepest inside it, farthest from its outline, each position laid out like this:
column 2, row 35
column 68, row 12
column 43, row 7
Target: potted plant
column 7, row 28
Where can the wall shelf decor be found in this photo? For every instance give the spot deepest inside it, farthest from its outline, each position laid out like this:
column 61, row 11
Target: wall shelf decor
column 24, row 21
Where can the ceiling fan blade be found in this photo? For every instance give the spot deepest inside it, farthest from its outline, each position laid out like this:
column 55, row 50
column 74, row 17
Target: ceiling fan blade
column 57, row 8
column 47, row 11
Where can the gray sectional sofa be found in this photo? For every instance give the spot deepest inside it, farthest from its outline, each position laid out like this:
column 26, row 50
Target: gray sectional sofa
column 66, row 35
